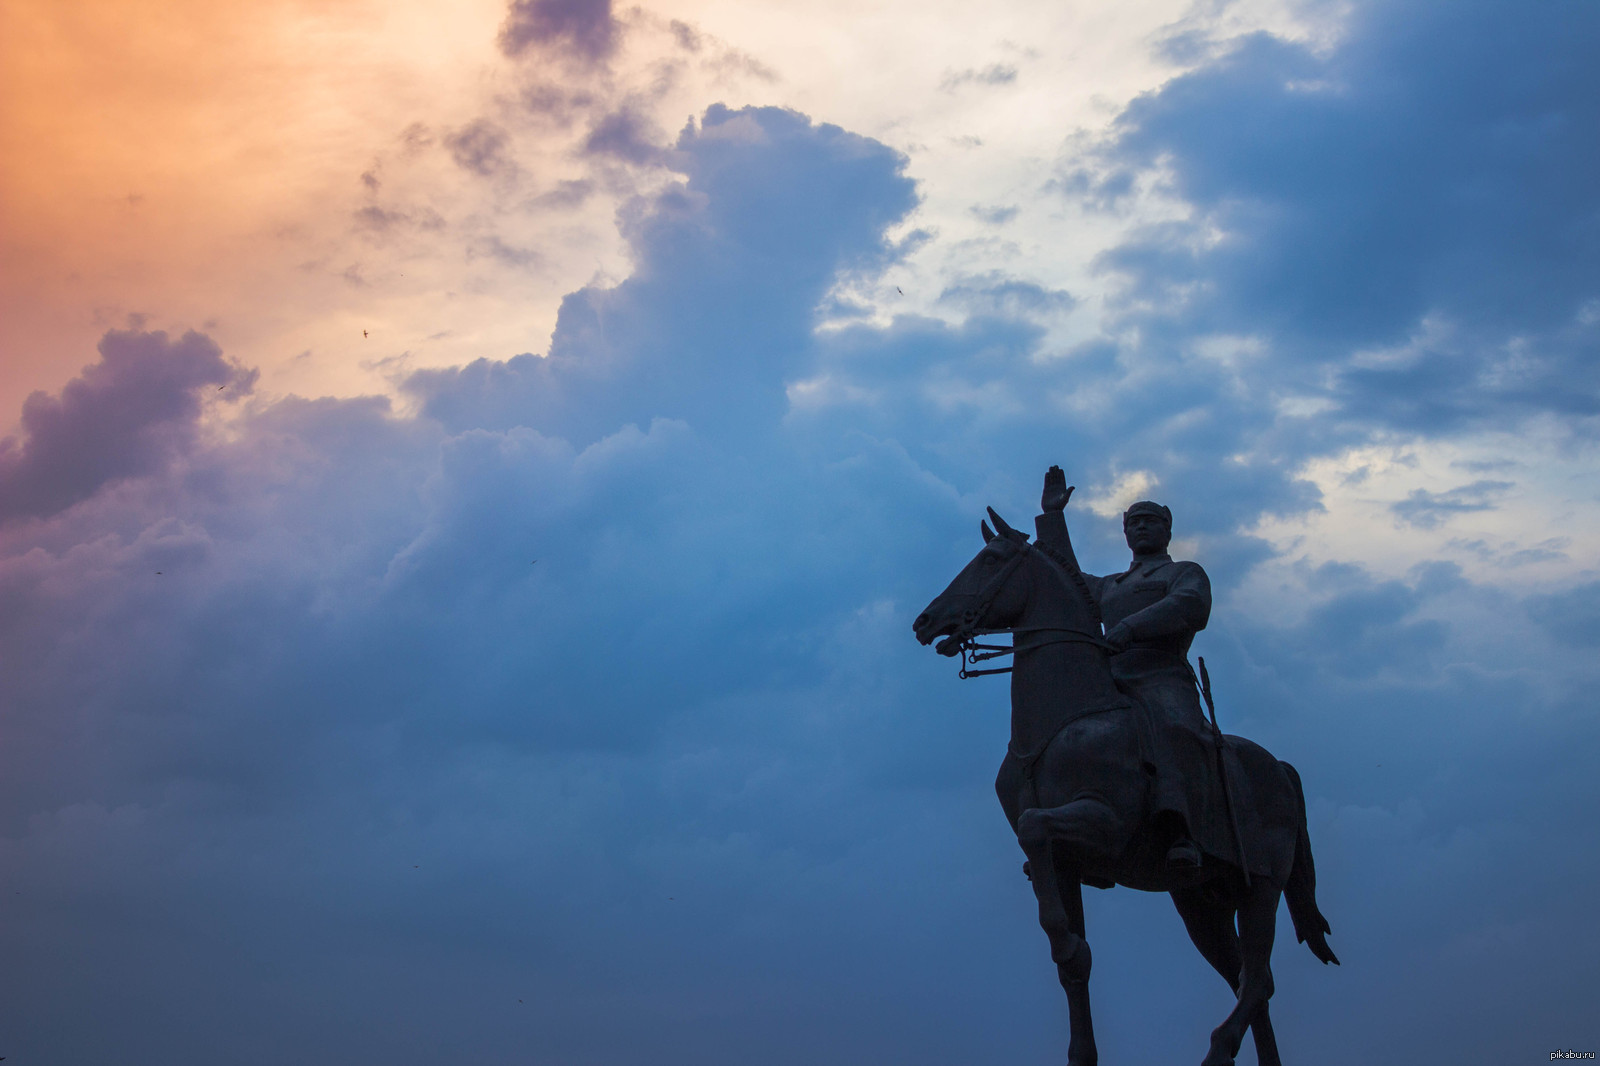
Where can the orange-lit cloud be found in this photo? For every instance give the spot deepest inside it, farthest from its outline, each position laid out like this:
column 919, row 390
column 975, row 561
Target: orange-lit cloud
column 201, row 163
column 286, row 174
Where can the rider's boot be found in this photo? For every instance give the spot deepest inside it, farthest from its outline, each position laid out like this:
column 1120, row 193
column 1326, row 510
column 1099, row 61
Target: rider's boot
column 1183, row 856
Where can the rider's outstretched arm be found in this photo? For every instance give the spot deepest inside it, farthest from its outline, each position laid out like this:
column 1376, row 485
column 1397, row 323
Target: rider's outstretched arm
column 1050, row 528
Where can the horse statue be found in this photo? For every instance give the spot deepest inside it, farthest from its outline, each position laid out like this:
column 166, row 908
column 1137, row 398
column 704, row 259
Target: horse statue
column 1076, row 788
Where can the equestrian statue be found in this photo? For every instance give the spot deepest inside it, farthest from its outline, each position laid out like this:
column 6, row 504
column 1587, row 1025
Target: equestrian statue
column 1113, row 774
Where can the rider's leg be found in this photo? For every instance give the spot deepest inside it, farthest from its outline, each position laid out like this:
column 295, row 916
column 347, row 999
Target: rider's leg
column 1171, row 829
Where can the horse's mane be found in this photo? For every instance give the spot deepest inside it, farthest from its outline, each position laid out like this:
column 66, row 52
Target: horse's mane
column 1070, row 574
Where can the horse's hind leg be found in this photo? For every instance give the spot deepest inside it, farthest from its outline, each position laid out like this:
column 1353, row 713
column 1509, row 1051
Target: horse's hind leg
column 1061, row 916
column 1210, row 925
column 1257, row 926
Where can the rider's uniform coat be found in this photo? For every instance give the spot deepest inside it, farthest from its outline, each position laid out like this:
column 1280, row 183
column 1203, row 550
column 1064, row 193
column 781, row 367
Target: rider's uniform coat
column 1164, row 604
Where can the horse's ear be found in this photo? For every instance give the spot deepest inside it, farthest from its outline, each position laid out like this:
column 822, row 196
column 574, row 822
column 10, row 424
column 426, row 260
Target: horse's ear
column 1003, row 529
column 987, row 534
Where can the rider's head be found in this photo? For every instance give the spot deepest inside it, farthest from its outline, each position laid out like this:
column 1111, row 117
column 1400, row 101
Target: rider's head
column 1148, row 527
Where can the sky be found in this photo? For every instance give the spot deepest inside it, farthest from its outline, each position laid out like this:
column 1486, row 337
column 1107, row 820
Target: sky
column 467, row 473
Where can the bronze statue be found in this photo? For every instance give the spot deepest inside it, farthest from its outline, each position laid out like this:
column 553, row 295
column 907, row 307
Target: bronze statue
column 1112, row 775
column 1151, row 613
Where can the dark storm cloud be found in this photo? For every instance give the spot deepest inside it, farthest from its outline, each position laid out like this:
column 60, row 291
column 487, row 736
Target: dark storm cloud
column 125, row 416
column 583, row 29
column 1434, row 163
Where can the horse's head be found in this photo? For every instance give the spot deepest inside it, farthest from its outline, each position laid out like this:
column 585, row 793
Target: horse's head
column 987, row 594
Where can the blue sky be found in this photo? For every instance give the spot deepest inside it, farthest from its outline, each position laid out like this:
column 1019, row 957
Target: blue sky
column 562, row 706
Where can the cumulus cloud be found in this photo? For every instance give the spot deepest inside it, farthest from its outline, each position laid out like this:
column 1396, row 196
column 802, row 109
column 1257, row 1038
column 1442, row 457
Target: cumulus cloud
column 586, row 692
column 721, row 301
column 125, row 416
column 1343, row 199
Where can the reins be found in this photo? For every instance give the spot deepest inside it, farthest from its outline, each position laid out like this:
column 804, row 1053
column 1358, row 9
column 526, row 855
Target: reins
column 974, row 652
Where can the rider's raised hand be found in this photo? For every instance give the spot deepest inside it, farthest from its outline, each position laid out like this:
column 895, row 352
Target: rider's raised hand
column 1056, row 490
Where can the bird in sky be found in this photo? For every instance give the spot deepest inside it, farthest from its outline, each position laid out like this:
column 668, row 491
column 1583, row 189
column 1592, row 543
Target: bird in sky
column 363, row 333
column 221, row 387
column 899, row 290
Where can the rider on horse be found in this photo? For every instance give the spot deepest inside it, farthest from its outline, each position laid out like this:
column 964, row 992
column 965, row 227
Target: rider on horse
column 1151, row 613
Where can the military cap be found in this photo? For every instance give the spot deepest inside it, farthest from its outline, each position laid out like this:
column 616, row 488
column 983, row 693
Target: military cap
column 1148, row 507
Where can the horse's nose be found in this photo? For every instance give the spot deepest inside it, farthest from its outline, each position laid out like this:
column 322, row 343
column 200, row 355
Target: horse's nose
column 922, row 620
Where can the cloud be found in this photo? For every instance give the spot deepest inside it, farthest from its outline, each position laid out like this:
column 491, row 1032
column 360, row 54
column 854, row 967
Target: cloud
column 127, row 415
column 382, row 221
column 1427, row 509
column 993, row 74
column 589, row 683
column 994, row 216
column 1341, row 199
column 583, row 29
column 772, row 208
column 686, row 36
column 995, row 293
column 1571, row 617
column 480, row 147
column 509, row 254
column 625, row 134
column 568, row 193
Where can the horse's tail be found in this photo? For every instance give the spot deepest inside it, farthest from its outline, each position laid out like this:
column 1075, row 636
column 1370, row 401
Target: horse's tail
column 1310, row 927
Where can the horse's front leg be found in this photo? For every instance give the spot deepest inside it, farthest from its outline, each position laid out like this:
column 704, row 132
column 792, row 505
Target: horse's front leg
column 1060, row 897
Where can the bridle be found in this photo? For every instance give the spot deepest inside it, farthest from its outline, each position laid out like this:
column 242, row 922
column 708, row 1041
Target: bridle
column 967, row 631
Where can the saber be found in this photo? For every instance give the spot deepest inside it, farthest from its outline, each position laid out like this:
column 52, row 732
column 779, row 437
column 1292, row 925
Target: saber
column 1222, row 771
